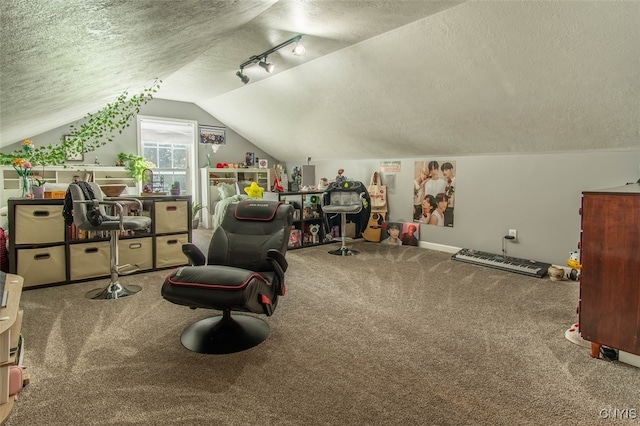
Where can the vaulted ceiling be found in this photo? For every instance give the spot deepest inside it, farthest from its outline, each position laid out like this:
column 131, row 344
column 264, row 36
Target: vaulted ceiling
column 380, row 79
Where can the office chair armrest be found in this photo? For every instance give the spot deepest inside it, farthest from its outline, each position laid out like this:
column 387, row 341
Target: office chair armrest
column 117, row 206
column 194, row 254
column 96, row 203
column 324, row 196
column 116, row 199
column 280, row 264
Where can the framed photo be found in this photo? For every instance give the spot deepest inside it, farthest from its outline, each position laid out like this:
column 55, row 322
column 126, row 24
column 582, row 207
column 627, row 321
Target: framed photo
column 71, row 156
column 213, row 135
column 250, row 159
column 263, row 164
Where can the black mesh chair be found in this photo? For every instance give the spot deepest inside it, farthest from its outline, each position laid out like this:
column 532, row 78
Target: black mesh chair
column 114, row 224
column 347, row 198
column 243, row 271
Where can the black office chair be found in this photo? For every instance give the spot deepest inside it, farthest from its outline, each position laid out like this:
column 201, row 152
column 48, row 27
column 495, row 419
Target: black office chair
column 114, row 224
column 243, row 271
column 347, row 198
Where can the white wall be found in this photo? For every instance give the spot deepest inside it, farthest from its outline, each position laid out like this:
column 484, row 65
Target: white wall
column 538, row 194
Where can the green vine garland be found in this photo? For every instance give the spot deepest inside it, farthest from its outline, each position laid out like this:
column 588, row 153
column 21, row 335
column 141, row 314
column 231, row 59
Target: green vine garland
column 98, row 130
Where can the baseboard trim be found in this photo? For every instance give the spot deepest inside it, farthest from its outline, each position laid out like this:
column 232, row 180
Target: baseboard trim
column 439, row 247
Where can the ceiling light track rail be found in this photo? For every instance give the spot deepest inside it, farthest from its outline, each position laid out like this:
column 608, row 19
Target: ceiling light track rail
column 261, row 59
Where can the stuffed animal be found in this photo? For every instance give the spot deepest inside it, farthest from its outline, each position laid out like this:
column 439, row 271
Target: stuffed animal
column 254, row 190
column 574, row 263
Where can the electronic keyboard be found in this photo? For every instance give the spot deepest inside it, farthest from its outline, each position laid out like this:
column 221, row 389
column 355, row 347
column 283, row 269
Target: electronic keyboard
column 531, row 268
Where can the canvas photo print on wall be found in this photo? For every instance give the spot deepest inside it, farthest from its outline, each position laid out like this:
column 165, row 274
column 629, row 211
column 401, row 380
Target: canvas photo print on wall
column 434, row 188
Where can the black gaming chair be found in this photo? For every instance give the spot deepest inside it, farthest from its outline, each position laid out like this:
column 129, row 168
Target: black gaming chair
column 347, row 198
column 243, row 271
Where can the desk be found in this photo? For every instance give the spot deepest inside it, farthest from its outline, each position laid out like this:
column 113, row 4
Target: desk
column 9, row 334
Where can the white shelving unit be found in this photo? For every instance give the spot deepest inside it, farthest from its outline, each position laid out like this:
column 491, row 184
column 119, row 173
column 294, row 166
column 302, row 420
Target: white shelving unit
column 210, row 178
column 102, row 175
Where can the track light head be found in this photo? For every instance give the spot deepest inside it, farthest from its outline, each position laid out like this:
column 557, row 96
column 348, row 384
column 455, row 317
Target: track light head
column 298, row 49
column 243, row 77
column 266, row 65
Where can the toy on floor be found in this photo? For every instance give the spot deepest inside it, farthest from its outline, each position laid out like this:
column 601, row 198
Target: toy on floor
column 315, row 228
column 574, row 263
column 254, row 190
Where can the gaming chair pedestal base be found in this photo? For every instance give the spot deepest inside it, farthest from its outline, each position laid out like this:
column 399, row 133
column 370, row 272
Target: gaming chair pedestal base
column 224, row 334
column 343, row 251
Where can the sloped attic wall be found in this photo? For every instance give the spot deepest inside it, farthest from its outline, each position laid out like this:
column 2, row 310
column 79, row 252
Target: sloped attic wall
column 479, row 78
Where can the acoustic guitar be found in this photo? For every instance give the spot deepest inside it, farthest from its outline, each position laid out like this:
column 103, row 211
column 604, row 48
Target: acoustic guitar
column 373, row 232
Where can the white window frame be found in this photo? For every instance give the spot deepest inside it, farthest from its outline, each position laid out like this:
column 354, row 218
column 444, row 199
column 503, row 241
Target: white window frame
column 192, row 152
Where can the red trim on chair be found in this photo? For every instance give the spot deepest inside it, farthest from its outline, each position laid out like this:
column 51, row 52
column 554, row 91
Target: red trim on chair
column 266, row 304
column 217, row 286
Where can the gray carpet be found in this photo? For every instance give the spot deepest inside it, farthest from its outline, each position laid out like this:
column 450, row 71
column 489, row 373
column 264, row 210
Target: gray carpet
column 392, row 336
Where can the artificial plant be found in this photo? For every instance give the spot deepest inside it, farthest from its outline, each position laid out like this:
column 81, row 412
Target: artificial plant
column 96, row 131
column 195, row 209
column 135, row 165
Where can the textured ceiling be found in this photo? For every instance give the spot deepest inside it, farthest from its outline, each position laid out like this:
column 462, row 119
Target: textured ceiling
column 380, row 79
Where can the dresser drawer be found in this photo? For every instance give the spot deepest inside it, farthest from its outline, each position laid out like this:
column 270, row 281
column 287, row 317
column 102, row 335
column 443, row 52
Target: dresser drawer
column 137, row 251
column 42, row 265
column 38, row 224
column 89, row 260
column 171, row 216
column 169, row 250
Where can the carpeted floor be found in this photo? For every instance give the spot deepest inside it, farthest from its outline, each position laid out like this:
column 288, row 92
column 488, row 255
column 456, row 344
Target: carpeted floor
column 392, row 336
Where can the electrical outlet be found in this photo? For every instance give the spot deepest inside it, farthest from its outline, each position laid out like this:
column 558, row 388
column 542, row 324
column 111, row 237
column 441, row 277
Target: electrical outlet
column 513, row 233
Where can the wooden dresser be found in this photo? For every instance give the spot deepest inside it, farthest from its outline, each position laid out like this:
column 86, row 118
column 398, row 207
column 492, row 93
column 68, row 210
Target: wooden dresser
column 609, row 310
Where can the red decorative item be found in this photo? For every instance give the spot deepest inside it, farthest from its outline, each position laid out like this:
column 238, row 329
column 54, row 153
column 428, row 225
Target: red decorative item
column 277, row 187
column 4, row 254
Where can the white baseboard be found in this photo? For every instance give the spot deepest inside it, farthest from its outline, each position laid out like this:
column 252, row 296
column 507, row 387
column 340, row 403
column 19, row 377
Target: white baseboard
column 628, row 358
column 439, row 247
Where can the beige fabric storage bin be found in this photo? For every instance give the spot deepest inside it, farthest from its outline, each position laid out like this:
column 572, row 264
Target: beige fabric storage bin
column 169, row 250
column 42, row 265
column 39, row 224
column 171, row 216
column 136, row 251
column 89, row 260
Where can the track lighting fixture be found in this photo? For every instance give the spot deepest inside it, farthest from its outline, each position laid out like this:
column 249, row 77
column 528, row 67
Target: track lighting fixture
column 266, row 65
column 243, row 77
column 298, row 49
column 261, row 59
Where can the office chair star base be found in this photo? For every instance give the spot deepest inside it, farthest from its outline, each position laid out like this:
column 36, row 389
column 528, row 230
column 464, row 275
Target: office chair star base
column 114, row 290
column 224, row 334
column 343, row 251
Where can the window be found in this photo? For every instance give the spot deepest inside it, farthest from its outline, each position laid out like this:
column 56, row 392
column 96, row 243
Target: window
column 171, row 145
